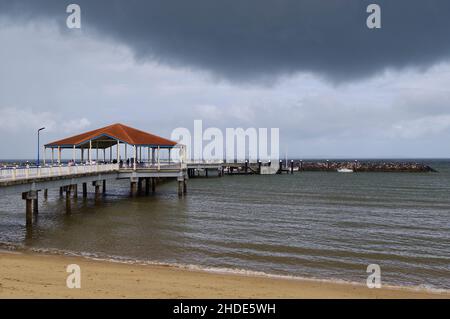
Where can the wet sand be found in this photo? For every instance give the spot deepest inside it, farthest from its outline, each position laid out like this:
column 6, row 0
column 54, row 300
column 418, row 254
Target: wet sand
column 26, row 275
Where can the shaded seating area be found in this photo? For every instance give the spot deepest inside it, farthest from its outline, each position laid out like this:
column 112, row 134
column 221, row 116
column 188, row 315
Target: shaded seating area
column 116, row 143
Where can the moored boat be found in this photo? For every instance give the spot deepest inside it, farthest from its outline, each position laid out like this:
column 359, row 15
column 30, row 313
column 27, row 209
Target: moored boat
column 345, row 170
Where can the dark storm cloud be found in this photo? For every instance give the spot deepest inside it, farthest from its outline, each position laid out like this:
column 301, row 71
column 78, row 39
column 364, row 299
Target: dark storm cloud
column 254, row 39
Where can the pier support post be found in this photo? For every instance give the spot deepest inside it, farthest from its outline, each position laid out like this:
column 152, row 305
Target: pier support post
column 184, row 186
column 68, row 202
column 61, row 191
column 97, row 189
column 75, row 190
column 133, row 186
column 147, row 185
column 104, row 187
column 29, row 197
column 153, row 184
column 36, row 204
column 143, row 185
column 45, row 193
column 180, row 188
column 206, row 172
column 96, row 185
column 84, row 190
column 29, row 212
column 139, row 186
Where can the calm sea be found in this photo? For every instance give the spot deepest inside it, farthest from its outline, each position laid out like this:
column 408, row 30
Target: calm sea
column 311, row 224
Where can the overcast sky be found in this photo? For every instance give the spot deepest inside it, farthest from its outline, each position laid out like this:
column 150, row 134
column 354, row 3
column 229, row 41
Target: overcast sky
column 311, row 68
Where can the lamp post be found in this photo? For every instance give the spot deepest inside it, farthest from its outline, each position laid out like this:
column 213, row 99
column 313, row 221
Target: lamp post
column 39, row 146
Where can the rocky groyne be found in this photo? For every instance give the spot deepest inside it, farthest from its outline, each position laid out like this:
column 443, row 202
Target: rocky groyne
column 360, row 166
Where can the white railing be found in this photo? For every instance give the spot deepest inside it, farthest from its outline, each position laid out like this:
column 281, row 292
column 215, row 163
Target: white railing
column 157, row 166
column 18, row 173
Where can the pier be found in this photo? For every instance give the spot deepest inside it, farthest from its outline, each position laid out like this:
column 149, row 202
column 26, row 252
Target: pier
column 238, row 167
column 144, row 168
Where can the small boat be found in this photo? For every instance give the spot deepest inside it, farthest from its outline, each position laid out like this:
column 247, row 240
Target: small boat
column 345, row 170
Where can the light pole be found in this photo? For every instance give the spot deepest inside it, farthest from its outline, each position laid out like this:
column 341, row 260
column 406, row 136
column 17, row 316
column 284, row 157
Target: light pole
column 39, row 146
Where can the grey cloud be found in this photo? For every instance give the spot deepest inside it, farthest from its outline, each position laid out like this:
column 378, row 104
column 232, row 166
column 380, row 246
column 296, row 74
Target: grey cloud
column 263, row 39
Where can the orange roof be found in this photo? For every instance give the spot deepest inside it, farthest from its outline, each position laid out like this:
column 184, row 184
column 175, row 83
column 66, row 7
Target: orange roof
column 123, row 133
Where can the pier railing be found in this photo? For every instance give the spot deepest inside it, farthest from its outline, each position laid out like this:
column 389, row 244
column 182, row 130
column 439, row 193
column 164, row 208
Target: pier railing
column 166, row 165
column 23, row 173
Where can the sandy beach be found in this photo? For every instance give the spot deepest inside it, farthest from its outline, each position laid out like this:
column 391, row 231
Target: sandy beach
column 26, row 275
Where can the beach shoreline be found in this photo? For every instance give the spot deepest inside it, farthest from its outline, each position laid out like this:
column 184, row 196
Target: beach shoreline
column 37, row 275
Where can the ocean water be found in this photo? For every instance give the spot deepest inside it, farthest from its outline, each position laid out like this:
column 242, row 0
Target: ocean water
column 317, row 225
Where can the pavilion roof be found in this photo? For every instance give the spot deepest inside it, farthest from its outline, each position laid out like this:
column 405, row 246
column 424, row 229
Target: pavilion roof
column 120, row 132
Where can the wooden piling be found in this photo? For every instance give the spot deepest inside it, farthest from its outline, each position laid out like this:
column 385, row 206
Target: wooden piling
column 68, row 202
column 75, row 190
column 84, row 190
column 29, row 198
column 180, row 188
column 29, row 212
column 97, row 189
column 133, row 187
column 36, row 205
column 153, row 184
column 104, row 187
column 147, row 185
column 139, row 186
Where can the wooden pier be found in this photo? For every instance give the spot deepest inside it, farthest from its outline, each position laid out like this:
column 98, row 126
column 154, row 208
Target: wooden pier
column 239, row 167
column 142, row 171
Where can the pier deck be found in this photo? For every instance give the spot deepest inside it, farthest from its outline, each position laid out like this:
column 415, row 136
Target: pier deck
column 23, row 179
column 29, row 181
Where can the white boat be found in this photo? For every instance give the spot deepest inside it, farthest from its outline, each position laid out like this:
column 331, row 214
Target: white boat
column 345, row 170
